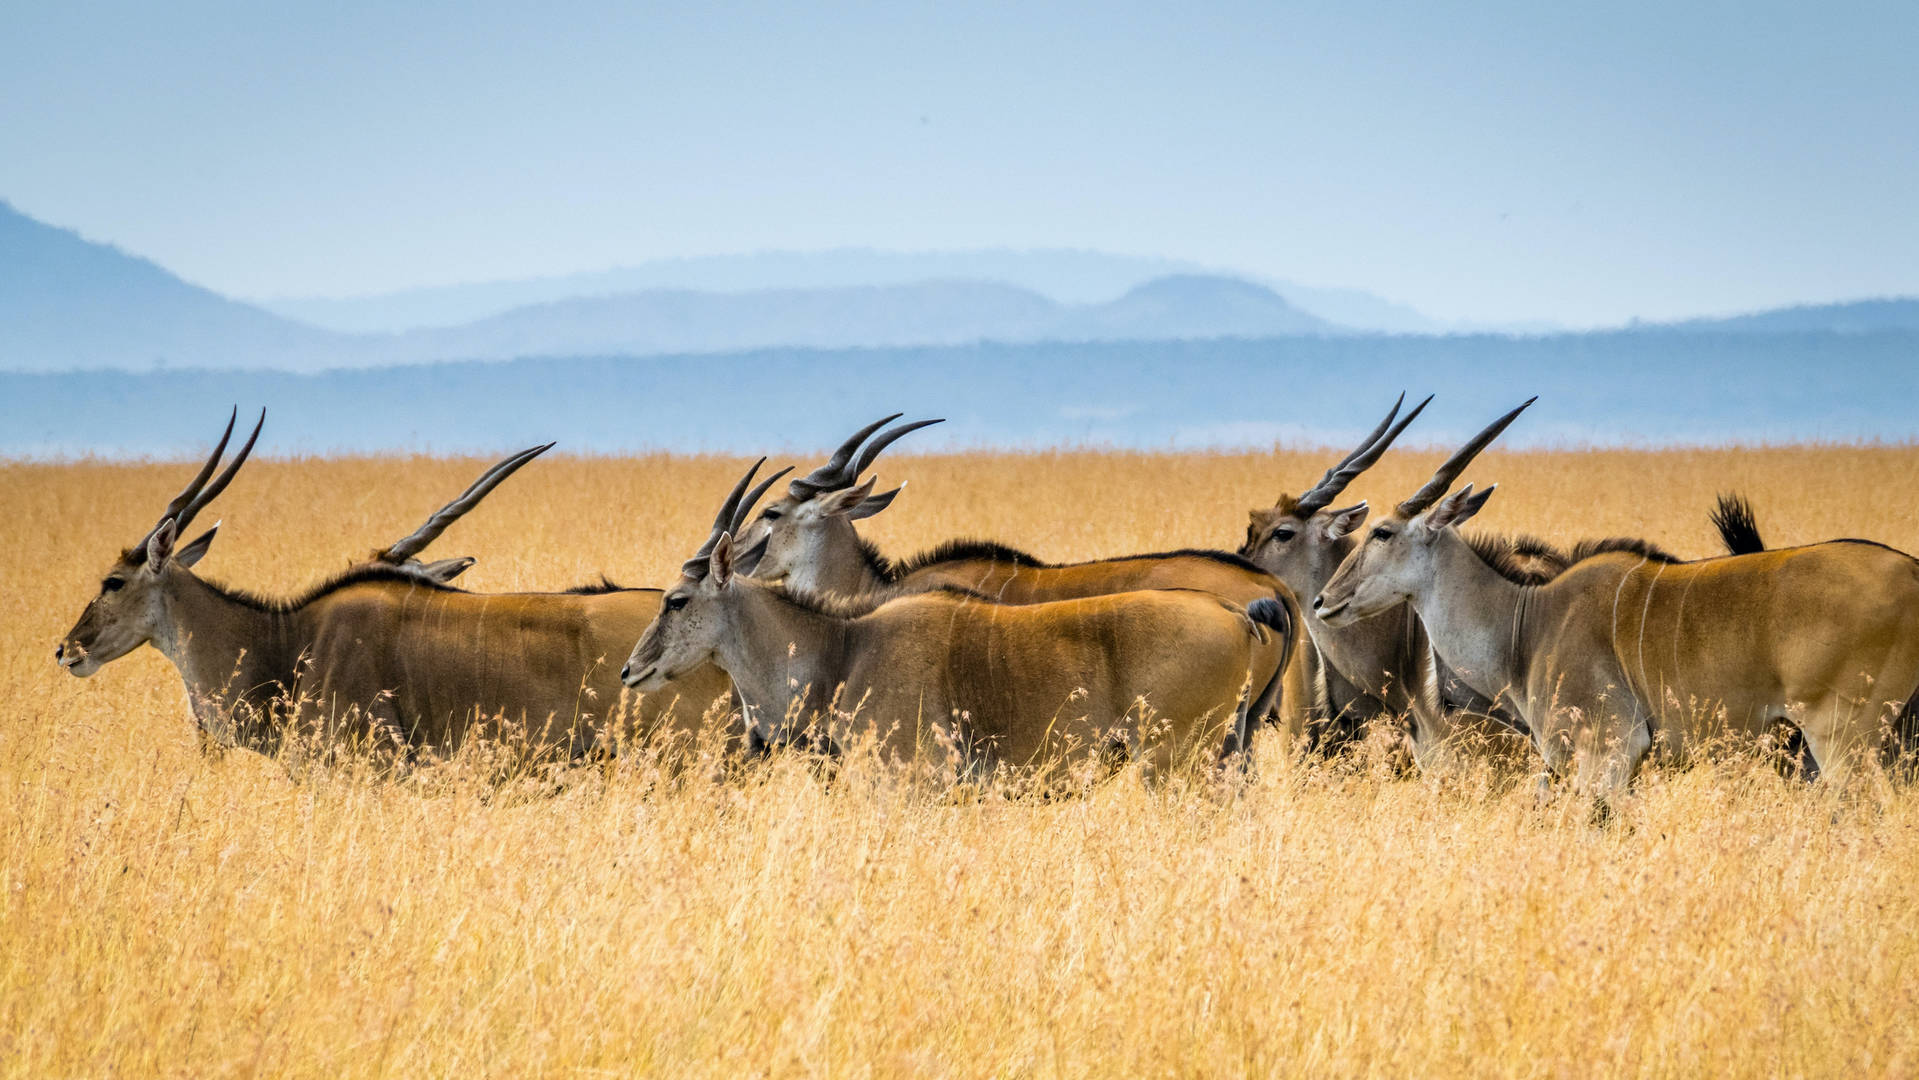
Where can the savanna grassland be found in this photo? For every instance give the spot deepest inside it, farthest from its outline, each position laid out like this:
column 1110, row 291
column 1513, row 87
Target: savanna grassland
column 165, row 914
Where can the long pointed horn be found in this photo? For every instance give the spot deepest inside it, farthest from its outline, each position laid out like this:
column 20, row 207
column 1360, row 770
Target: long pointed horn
column 832, row 475
column 1359, row 460
column 199, row 493
column 752, row 499
column 180, row 501
column 451, row 512
column 885, row 439
column 722, row 523
column 212, row 491
column 1442, row 480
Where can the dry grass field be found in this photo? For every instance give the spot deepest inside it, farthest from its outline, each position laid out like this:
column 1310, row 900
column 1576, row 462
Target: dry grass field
column 161, row 914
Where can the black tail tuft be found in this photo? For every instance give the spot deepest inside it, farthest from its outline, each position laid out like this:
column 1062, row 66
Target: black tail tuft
column 1737, row 528
column 1270, row 612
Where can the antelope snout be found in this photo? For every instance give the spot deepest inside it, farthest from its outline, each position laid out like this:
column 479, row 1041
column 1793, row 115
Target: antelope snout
column 73, row 660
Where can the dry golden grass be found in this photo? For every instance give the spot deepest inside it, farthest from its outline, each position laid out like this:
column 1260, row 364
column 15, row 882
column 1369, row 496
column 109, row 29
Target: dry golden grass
column 162, row 914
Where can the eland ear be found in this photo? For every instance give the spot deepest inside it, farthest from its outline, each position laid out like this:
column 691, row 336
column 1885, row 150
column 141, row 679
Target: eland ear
column 445, row 570
column 846, row 500
column 874, row 504
column 160, row 545
column 195, row 551
column 721, row 563
column 1458, row 508
column 1342, row 522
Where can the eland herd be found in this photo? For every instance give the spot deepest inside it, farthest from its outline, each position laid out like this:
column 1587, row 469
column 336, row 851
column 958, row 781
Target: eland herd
column 786, row 629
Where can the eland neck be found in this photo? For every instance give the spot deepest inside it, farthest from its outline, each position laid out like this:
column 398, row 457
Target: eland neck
column 1365, row 653
column 1474, row 617
column 838, row 565
column 229, row 652
column 779, row 650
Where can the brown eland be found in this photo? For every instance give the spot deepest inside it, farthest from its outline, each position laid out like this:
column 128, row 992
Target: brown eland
column 1629, row 652
column 1380, row 670
column 381, row 656
column 950, row 677
column 807, row 541
column 1383, row 667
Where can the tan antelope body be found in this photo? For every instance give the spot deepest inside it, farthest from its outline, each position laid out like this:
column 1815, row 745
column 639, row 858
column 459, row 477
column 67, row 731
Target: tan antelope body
column 807, row 540
column 1382, row 668
column 1160, row 675
column 383, row 655
column 1627, row 652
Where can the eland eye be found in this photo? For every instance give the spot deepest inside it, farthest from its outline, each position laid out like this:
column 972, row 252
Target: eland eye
column 1382, row 534
column 771, row 515
column 1283, row 535
column 113, row 584
column 676, row 602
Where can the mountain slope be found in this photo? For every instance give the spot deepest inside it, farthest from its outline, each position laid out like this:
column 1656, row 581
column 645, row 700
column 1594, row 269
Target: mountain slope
column 1063, row 275
column 927, row 313
column 1855, row 317
column 1611, row 389
column 676, row 320
column 67, row 302
column 1191, row 306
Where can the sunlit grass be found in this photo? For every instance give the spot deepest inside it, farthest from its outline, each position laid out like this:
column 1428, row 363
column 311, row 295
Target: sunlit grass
column 165, row 914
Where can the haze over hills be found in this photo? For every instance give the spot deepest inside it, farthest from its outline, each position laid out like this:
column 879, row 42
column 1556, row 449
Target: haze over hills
column 929, row 313
column 1854, row 317
column 71, row 303
column 1621, row 387
column 66, row 302
column 1182, row 359
column 1066, row 276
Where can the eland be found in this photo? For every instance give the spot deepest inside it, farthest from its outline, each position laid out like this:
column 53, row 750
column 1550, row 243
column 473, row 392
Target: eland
column 1628, row 652
column 383, row 655
column 947, row 674
column 807, row 541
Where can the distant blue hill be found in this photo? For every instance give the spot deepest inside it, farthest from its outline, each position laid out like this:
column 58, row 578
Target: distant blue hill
column 664, row 321
column 1856, row 317
column 1064, row 276
column 70, row 304
column 1641, row 387
column 67, row 302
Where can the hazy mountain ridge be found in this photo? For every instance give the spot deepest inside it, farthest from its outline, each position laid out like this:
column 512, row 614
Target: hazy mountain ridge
column 1066, row 276
column 1851, row 317
column 66, row 301
column 928, row 313
column 1623, row 387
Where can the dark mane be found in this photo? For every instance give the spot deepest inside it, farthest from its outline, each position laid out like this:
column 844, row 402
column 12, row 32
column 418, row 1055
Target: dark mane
column 596, row 588
column 960, row 550
column 882, row 567
column 841, row 606
column 1645, row 549
column 1211, row 554
column 990, row 551
column 359, row 575
column 1525, row 560
column 1528, row 560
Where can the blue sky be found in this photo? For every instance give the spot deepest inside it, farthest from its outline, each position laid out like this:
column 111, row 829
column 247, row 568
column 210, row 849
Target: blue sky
column 1583, row 164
